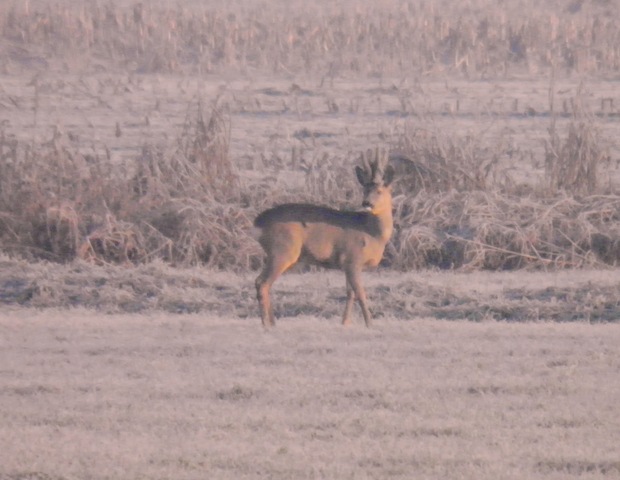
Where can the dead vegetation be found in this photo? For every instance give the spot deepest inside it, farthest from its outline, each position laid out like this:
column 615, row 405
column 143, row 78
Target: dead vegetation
column 490, row 230
column 178, row 202
column 182, row 200
column 471, row 213
column 477, row 38
column 456, row 204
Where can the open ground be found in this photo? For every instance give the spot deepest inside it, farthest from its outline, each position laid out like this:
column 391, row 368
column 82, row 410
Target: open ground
column 139, row 140
column 203, row 396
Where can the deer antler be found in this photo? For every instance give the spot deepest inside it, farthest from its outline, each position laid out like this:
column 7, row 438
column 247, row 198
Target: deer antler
column 365, row 160
column 374, row 163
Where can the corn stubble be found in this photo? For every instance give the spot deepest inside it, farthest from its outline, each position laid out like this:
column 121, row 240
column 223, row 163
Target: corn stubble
column 478, row 38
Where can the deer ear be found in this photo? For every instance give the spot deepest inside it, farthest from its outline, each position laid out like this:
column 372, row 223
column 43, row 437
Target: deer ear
column 362, row 176
column 388, row 175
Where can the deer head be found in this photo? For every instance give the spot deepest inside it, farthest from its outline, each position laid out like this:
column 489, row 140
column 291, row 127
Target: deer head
column 375, row 176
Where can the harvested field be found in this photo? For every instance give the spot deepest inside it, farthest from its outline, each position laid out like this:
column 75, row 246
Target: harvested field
column 138, row 140
column 194, row 396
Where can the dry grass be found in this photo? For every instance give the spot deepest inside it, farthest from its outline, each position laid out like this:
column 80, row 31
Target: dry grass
column 184, row 199
column 124, row 396
column 456, row 204
column 492, row 231
column 179, row 201
column 573, row 164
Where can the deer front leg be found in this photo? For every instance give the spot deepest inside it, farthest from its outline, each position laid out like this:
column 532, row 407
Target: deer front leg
column 354, row 275
column 346, row 319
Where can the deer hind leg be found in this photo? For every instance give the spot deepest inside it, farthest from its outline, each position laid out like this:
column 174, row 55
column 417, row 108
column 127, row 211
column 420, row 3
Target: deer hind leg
column 354, row 282
column 275, row 265
column 263, row 285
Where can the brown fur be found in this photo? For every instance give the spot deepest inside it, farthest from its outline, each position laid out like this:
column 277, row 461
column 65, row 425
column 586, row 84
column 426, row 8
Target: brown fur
column 348, row 240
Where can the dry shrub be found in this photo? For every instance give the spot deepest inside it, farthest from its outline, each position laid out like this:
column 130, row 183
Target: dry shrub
column 494, row 231
column 572, row 164
column 469, row 213
column 218, row 236
column 190, row 232
column 181, row 203
column 196, row 166
column 204, row 144
column 51, row 194
column 191, row 196
column 115, row 242
column 415, row 247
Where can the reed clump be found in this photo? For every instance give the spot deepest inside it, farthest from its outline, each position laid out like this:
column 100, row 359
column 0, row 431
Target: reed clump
column 468, row 212
column 572, row 163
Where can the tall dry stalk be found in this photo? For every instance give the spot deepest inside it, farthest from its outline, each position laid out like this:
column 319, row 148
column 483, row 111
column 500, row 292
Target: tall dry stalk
column 197, row 165
column 572, row 163
column 435, row 162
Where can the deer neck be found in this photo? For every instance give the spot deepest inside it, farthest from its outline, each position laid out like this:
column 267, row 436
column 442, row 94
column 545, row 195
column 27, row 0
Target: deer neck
column 386, row 223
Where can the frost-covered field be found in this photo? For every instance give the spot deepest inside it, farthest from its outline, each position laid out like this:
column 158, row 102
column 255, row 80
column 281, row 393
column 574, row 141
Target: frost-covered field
column 84, row 395
column 468, row 374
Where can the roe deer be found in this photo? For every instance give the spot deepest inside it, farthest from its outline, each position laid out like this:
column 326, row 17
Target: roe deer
column 348, row 240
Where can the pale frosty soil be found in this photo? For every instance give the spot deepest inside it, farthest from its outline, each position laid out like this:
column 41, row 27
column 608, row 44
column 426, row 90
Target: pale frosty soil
column 85, row 395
